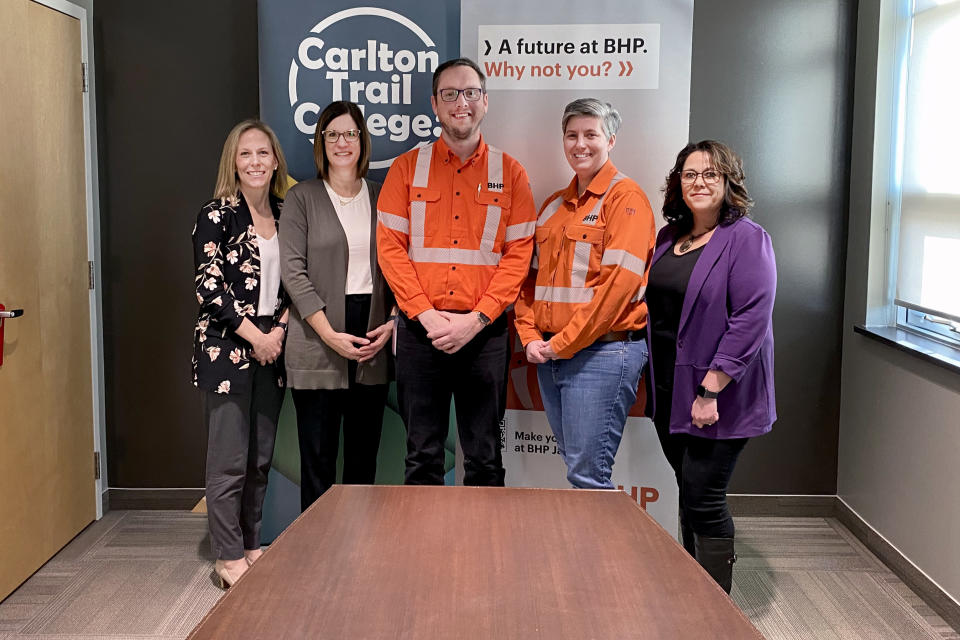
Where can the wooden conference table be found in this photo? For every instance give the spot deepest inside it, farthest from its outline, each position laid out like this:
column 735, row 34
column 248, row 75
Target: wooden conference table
column 463, row 562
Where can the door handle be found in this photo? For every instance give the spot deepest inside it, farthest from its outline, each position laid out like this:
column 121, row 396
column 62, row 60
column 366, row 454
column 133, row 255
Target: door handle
column 4, row 314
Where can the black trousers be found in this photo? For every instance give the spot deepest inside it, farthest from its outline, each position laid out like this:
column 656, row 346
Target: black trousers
column 703, row 467
column 242, row 432
column 476, row 378
column 320, row 413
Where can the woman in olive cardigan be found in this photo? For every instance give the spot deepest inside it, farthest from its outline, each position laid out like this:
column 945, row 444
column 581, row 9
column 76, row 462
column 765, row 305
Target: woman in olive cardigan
column 337, row 366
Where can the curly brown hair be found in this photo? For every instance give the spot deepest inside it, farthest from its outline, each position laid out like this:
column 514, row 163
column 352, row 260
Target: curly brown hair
column 736, row 201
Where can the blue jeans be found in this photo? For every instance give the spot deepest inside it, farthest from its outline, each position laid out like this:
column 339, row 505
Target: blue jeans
column 587, row 399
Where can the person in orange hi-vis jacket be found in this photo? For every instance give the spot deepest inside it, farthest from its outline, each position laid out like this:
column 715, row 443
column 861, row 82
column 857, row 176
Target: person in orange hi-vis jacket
column 581, row 315
column 454, row 239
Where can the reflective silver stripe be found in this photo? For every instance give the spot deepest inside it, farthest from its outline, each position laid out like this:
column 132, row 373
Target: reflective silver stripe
column 418, row 208
column 624, row 259
column 421, row 175
column 518, row 231
column 395, row 222
column 494, row 183
column 638, row 296
column 549, row 210
column 418, row 219
column 581, row 263
column 494, row 169
column 453, row 256
column 581, row 252
column 564, row 294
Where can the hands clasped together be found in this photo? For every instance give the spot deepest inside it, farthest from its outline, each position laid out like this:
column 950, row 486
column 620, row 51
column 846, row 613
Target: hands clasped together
column 267, row 347
column 539, row 351
column 356, row 348
column 450, row 331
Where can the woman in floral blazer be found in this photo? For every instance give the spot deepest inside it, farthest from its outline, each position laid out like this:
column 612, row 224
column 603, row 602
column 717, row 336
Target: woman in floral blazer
column 228, row 290
column 238, row 340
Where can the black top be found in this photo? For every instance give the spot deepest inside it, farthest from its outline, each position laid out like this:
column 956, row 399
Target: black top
column 666, row 289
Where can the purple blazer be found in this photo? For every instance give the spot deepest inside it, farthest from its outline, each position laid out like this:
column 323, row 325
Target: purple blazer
column 726, row 324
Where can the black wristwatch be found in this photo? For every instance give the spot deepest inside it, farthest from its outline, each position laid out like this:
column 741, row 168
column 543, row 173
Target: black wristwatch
column 282, row 325
column 483, row 318
column 706, row 394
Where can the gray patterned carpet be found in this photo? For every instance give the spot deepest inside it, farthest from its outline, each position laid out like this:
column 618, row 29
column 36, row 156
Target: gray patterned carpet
column 147, row 575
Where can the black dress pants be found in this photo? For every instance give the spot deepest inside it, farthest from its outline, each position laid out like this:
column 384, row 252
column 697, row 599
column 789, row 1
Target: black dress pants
column 703, row 467
column 476, row 378
column 242, row 431
column 319, row 415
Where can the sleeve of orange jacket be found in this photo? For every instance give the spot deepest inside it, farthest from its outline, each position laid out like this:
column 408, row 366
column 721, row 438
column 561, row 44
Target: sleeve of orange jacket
column 525, row 321
column 393, row 239
column 627, row 249
column 521, row 223
column 525, row 318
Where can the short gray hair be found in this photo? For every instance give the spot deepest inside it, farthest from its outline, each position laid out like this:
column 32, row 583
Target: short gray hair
column 609, row 117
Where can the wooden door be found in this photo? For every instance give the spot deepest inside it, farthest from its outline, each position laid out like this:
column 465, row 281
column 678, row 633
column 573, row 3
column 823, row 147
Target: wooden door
column 47, row 490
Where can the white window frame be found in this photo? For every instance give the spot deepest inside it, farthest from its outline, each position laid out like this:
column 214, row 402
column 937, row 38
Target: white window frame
column 918, row 320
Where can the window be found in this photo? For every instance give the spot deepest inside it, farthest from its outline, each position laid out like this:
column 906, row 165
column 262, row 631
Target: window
column 926, row 176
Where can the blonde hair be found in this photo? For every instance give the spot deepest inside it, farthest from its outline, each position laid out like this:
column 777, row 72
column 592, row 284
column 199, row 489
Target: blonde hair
column 228, row 184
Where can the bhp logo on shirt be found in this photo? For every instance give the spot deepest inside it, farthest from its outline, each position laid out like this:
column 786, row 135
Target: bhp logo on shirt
column 495, row 185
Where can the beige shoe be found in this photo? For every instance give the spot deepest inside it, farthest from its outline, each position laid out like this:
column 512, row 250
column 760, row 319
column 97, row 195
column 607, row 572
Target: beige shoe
column 229, row 571
column 252, row 555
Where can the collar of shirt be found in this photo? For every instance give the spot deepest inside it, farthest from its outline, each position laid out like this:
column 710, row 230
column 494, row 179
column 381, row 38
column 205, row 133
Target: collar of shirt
column 597, row 187
column 450, row 157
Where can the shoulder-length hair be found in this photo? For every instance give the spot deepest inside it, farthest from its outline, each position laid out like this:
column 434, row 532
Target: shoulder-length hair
column 736, row 201
column 334, row 110
column 228, row 183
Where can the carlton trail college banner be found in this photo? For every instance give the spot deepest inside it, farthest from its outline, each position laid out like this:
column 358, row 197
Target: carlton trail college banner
column 538, row 55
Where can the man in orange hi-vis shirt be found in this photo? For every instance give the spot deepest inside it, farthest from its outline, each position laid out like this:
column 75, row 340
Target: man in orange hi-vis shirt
column 581, row 315
column 454, row 239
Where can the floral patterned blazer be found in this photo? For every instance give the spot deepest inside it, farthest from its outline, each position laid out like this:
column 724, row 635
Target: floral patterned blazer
column 227, row 280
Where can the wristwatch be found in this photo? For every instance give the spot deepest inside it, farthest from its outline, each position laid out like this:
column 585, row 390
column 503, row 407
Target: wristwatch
column 282, row 325
column 482, row 317
column 706, row 394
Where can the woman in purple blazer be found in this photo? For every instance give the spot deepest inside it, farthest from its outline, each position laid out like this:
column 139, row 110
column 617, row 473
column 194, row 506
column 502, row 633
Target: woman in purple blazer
column 710, row 298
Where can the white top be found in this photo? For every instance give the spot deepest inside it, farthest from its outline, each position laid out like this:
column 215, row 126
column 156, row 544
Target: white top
column 269, row 274
column 354, row 214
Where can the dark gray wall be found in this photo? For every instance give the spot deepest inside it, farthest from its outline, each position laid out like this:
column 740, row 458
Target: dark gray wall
column 173, row 78
column 774, row 79
column 770, row 77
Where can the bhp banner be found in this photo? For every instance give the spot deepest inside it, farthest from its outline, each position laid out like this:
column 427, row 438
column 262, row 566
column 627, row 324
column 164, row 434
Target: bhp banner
column 634, row 54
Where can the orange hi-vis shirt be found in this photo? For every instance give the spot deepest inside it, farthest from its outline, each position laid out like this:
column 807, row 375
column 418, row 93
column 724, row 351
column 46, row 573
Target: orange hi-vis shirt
column 590, row 265
column 452, row 235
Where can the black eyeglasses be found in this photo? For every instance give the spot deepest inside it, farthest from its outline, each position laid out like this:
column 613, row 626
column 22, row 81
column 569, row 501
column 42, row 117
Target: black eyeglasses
column 472, row 94
column 331, row 136
column 710, row 176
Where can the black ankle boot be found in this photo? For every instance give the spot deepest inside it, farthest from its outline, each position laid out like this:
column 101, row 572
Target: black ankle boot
column 716, row 556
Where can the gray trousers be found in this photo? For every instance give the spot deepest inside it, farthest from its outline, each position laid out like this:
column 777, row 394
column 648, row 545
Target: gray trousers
column 242, row 432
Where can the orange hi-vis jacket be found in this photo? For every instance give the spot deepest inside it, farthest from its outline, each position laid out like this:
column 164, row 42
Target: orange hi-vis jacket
column 590, row 265
column 452, row 235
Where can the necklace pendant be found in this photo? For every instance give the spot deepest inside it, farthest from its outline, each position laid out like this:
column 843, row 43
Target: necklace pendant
column 685, row 245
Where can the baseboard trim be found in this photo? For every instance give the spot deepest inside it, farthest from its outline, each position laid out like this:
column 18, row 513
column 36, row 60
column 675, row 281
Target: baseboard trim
column 824, row 506
column 153, row 499
column 783, row 506
column 914, row 577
